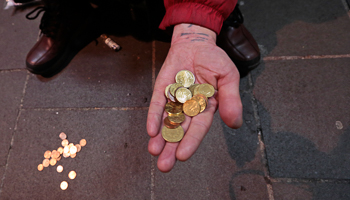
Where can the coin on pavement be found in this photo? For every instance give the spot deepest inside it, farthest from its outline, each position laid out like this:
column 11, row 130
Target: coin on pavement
column 185, row 77
column 170, row 124
column 172, row 135
column 53, row 161
column 62, row 136
column 47, row 154
column 73, row 150
column 46, row 162
column 60, row 150
column 191, row 108
column 40, row 167
column 78, row 147
column 82, row 142
column 72, row 174
column 64, row 185
column 59, row 168
column 64, row 142
column 183, row 94
column 173, row 107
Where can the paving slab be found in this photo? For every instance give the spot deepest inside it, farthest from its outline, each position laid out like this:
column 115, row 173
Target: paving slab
column 298, row 28
column 18, row 35
column 227, row 165
column 305, row 116
column 114, row 164
column 98, row 77
column 11, row 92
column 308, row 191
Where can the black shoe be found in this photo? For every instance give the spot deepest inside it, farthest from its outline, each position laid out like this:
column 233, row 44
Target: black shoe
column 239, row 43
column 66, row 28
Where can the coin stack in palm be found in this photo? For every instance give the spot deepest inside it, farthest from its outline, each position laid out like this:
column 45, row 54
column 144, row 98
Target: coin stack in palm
column 67, row 150
column 185, row 97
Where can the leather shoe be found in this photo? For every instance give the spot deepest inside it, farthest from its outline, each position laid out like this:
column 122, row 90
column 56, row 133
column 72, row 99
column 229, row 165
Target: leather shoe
column 238, row 43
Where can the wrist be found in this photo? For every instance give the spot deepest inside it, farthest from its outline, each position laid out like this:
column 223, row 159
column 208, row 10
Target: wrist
column 192, row 33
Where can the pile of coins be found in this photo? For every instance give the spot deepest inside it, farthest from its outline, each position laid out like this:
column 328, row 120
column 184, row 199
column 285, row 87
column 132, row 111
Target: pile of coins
column 66, row 150
column 185, row 97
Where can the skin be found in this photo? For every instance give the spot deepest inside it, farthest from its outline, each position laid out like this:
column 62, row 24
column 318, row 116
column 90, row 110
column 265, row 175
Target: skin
column 193, row 48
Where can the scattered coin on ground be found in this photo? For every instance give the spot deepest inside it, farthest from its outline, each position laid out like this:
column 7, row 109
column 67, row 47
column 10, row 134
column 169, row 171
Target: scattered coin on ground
column 64, row 185
column 72, row 174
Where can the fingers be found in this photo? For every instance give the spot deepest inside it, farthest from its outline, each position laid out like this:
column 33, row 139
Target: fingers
column 197, row 130
column 230, row 105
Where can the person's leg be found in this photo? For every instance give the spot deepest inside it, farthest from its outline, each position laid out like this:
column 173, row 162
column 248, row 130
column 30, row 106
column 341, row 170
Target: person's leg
column 66, row 27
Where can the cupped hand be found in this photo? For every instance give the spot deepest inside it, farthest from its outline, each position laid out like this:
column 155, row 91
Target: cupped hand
column 193, row 48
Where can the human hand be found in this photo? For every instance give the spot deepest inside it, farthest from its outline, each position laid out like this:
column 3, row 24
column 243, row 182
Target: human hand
column 193, row 48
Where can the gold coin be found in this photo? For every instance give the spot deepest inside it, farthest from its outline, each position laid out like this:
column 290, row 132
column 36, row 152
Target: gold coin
column 70, row 145
column 47, row 154
column 174, row 87
column 82, row 142
column 64, row 142
column 78, row 147
column 72, row 155
column 173, row 107
column 191, row 108
column 183, row 94
column 172, row 135
column 72, row 174
column 60, row 150
column 73, row 150
column 66, row 155
column 176, row 118
column 171, row 97
column 167, row 90
column 206, row 89
column 46, row 162
column 59, row 158
column 40, row 167
column 169, row 124
column 64, row 185
column 59, row 168
column 192, row 87
column 201, row 99
column 66, row 149
column 55, row 154
column 62, row 136
column 185, row 77
column 53, row 161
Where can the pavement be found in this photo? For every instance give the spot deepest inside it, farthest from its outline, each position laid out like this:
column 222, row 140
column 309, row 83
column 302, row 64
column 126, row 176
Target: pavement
column 294, row 142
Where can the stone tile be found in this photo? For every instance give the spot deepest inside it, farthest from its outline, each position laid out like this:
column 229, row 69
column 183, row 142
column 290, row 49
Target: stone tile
column 11, row 91
column 114, row 164
column 98, row 77
column 304, row 110
column 308, row 191
column 226, row 161
column 298, row 28
column 18, row 35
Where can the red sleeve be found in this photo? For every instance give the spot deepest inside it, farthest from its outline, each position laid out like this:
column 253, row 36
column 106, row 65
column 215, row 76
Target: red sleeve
column 207, row 13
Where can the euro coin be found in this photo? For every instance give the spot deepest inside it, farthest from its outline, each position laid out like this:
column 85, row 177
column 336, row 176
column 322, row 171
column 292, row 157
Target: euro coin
column 62, row 136
column 82, row 142
column 46, row 162
column 59, row 168
column 174, row 87
column 173, row 107
column 201, row 99
column 192, row 87
column 64, row 142
column 73, row 155
column 64, row 185
column 53, row 161
column 183, row 94
column 55, row 154
column 176, row 118
column 78, row 147
column 40, row 167
column 172, row 135
column 171, row 97
column 191, row 108
column 169, row 124
column 73, row 150
column 47, row 154
column 60, row 150
column 66, row 149
column 66, row 155
column 167, row 90
column 185, row 77
column 72, row 174
column 206, row 89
